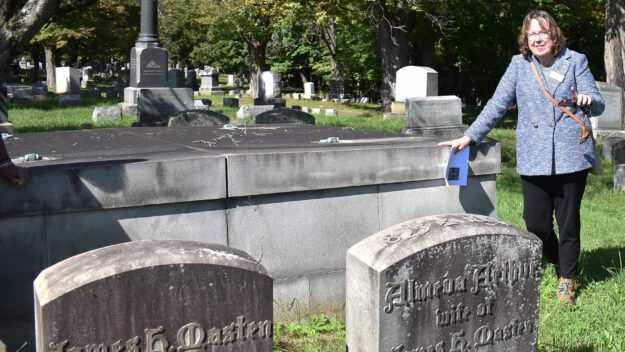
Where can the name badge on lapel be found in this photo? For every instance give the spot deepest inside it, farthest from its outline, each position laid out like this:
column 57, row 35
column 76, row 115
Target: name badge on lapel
column 558, row 77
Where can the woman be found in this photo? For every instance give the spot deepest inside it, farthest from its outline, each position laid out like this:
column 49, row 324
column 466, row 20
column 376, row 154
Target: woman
column 552, row 159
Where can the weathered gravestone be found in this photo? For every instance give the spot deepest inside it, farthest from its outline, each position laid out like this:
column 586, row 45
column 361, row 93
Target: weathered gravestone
column 611, row 118
column 106, row 113
column 337, row 87
column 175, row 77
column 156, row 105
column 198, row 117
column 284, row 115
column 434, row 116
column 452, row 283
column 67, row 80
column 155, row 296
column 252, row 110
column 70, row 100
column 269, row 86
column 614, row 149
column 231, row 102
column 191, row 81
column 210, row 82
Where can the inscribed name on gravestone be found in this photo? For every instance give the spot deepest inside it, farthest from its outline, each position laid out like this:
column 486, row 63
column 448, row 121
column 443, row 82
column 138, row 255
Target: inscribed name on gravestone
column 153, row 296
column 452, row 283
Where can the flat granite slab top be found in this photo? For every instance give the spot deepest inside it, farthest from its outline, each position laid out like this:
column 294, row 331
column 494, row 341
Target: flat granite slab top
column 161, row 143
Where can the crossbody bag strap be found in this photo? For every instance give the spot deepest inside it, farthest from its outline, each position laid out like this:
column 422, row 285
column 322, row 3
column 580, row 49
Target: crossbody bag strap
column 585, row 129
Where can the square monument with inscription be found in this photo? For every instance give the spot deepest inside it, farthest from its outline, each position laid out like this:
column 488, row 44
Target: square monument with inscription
column 441, row 111
column 455, row 282
column 151, row 296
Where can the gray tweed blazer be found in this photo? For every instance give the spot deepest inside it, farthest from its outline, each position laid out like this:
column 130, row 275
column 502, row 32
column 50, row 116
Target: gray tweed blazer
column 547, row 140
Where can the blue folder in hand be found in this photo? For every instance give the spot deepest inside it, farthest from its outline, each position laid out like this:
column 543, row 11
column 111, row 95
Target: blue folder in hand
column 457, row 169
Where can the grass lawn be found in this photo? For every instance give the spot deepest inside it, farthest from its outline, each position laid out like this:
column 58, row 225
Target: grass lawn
column 596, row 323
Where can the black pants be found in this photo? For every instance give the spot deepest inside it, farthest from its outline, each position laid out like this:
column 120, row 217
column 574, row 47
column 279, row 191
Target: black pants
column 560, row 194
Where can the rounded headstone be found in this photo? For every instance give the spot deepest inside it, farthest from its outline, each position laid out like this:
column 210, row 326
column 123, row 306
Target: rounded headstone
column 455, row 282
column 284, row 115
column 155, row 296
column 231, row 102
column 108, row 113
column 198, row 118
column 614, row 149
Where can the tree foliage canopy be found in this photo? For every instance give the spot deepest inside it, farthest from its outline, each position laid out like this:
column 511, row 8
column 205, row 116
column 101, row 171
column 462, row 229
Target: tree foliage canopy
column 469, row 42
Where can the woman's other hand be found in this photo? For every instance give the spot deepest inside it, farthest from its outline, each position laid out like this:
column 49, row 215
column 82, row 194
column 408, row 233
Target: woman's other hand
column 16, row 175
column 461, row 142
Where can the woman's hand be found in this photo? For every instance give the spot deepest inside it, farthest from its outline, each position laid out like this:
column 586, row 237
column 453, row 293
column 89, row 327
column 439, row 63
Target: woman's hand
column 461, row 142
column 583, row 100
column 16, row 175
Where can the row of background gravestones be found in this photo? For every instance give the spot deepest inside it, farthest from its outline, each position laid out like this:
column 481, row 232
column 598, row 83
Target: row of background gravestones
column 415, row 99
column 454, row 282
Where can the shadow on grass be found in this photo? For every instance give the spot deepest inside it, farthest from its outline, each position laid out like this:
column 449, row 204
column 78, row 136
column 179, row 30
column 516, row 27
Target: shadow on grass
column 64, row 127
column 360, row 106
column 568, row 349
column 51, row 102
column 600, row 264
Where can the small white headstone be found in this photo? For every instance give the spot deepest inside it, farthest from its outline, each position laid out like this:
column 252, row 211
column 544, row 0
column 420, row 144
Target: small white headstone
column 415, row 81
column 309, row 90
column 67, row 80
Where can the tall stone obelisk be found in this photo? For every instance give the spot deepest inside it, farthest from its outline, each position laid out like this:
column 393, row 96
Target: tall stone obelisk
column 149, row 89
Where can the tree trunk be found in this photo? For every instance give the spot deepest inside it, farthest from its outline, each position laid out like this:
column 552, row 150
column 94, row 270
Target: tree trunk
column 614, row 53
column 303, row 78
column 35, row 53
column 50, row 66
column 257, row 63
column 328, row 34
column 394, row 50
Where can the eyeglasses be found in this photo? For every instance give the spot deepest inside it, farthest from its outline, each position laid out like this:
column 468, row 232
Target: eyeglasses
column 541, row 35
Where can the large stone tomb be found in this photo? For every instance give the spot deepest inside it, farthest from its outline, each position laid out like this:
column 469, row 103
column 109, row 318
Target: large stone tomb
column 611, row 118
column 455, row 282
column 155, row 296
column 273, row 191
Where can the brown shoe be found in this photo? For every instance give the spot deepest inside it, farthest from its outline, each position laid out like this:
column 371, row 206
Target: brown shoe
column 566, row 290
